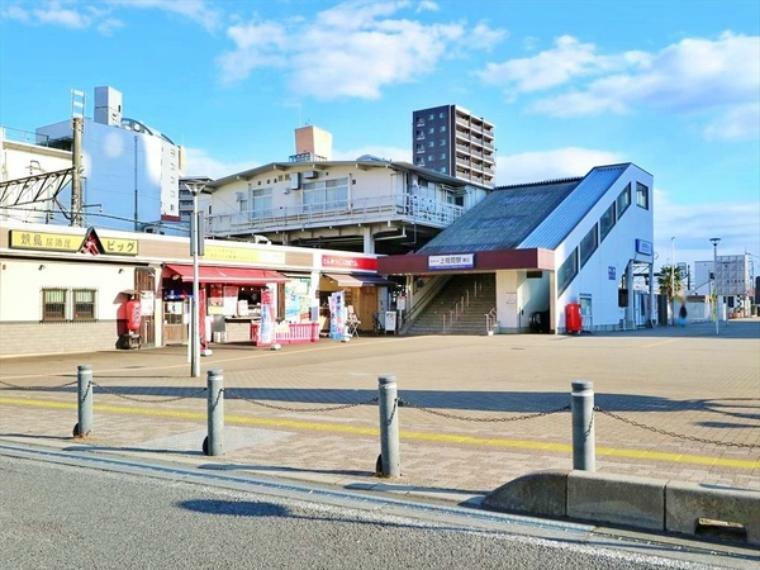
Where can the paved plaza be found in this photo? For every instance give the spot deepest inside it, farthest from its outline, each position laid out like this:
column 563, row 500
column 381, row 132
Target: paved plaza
column 682, row 381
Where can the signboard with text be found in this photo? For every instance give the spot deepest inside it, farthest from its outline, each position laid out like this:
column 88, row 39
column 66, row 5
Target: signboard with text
column 644, row 247
column 452, row 261
column 346, row 262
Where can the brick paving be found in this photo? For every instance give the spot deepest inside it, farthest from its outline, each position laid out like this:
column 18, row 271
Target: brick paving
column 684, row 381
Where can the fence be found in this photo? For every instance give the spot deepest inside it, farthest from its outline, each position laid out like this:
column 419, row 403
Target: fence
column 582, row 407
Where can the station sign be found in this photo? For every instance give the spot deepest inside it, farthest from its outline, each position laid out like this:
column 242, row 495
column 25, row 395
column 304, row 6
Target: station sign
column 451, row 261
column 644, row 247
column 89, row 242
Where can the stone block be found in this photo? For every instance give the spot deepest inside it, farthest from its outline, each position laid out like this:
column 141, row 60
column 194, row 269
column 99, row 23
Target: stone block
column 686, row 503
column 542, row 493
column 616, row 499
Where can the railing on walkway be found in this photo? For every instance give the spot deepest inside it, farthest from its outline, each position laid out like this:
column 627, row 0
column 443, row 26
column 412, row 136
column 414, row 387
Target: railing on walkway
column 418, row 208
column 491, row 321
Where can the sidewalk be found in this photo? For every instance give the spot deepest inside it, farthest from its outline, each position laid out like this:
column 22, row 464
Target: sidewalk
column 697, row 386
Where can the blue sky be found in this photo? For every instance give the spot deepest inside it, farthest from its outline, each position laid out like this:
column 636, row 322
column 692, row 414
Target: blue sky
column 671, row 86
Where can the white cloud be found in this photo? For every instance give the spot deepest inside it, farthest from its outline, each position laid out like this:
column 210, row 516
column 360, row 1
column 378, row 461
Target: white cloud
column 353, row 49
column 549, row 164
column 484, row 37
column 427, row 6
column 197, row 162
column 736, row 223
column 399, row 154
column 694, row 74
column 98, row 14
column 737, row 123
column 568, row 59
column 198, row 11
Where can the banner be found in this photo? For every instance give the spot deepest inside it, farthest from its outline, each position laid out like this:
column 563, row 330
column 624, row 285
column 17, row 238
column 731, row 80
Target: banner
column 338, row 315
column 266, row 329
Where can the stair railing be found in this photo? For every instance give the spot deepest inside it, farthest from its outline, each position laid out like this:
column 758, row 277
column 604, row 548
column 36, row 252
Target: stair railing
column 491, row 321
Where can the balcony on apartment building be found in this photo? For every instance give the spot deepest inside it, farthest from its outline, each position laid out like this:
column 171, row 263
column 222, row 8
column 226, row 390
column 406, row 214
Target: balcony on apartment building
column 407, row 207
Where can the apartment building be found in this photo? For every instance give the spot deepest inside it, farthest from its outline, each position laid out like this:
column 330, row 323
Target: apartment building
column 451, row 140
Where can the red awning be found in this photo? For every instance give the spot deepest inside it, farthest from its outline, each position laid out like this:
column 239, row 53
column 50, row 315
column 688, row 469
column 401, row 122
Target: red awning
column 224, row 275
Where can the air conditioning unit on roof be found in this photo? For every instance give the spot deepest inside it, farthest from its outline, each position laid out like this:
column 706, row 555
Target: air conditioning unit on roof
column 310, row 174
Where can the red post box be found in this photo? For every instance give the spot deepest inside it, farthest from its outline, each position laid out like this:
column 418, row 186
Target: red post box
column 573, row 318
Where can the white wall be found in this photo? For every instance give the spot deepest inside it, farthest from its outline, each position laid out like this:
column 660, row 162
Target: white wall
column 615, row 251
column 517, row 297
column 22, row 281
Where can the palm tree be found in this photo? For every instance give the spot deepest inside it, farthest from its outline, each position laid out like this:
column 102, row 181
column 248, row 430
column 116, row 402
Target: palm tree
column 669, row 281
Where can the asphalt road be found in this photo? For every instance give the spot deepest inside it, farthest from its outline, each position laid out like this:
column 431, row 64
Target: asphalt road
column 58, row 516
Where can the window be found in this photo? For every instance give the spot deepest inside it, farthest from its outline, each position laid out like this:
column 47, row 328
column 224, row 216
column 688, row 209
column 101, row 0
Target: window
column 444, row 170
column 623, row 201
column 441, row 115
column 431, row 116
column 54, row 304
column 430, row 158
column 431, row 130
column 327, row 194
column 262, row 201
column 534, row 274
column 443, row 128
column 243, row 206
column 442, row 142
column 642, row 196
column 420, row 148
column 589, row 244
column 420, row 160
column 431, row 144
column 443, row 156
column 84, row 305
column 607, row 221
column 567, row 271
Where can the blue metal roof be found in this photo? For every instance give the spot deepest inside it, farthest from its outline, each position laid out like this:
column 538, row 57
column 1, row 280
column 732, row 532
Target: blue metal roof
column 563, row 219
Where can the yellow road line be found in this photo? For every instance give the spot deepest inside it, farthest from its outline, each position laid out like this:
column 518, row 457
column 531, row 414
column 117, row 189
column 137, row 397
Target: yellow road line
column 405, row 434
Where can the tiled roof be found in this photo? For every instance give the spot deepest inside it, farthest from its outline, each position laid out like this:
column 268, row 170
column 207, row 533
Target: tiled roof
column 502, row 219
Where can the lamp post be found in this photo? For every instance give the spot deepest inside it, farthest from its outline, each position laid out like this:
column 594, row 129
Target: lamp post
column 196, row 243
column 715, row 242
column 673, row 277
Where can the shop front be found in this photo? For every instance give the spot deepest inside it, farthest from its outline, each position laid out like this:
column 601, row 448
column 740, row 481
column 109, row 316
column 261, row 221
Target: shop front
column 364, row 298
column 232, row 300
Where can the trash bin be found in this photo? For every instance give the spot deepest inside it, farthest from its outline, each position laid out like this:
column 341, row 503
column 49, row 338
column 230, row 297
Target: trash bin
column 573, row 319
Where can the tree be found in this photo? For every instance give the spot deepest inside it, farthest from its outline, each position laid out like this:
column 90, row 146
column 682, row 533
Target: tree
column 669, row 276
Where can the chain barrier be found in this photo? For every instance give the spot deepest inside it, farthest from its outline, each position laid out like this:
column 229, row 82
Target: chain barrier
column 149, row 399
column 590, row 423
column 396, row 404
column 674, row 434
column 86, row 393
column 32, row 388
column 292, row 409
column 447, row 415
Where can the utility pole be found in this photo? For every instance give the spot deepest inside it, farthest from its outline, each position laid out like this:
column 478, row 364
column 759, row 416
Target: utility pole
column 715, row 242
column 76, row 175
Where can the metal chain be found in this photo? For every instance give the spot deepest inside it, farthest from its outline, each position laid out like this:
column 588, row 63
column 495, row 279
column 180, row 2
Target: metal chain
column 17, row 387
column 591, row 422
column 111, row 392
column 405, row 403
column 674, row 434
column 86, row 393
column 320, row 409
column 393, row 412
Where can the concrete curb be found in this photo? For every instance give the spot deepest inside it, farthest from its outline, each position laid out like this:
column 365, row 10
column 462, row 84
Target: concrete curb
column 651, row 504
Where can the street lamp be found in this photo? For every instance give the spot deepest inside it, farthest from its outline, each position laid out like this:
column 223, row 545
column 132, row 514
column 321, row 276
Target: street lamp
column 673, row 277
column 196, row 246
column 715, row 242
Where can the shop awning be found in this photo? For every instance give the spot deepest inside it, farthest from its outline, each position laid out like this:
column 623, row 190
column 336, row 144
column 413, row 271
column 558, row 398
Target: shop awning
column 224, row 275
column 357, row 279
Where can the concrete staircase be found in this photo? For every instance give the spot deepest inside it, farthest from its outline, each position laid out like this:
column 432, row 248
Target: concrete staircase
column 470, row 317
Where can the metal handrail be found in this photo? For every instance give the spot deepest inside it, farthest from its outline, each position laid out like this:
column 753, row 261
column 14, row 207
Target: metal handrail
column 490, row 320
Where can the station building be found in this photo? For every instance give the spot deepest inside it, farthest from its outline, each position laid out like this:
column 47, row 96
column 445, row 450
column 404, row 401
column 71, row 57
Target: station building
column 64, row 289
column 516, row 259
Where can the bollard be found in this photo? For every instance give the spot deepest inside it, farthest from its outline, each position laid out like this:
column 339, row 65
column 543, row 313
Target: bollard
column 582, row 406
column 214, row 442
column 389, row 462
column 83, row 428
